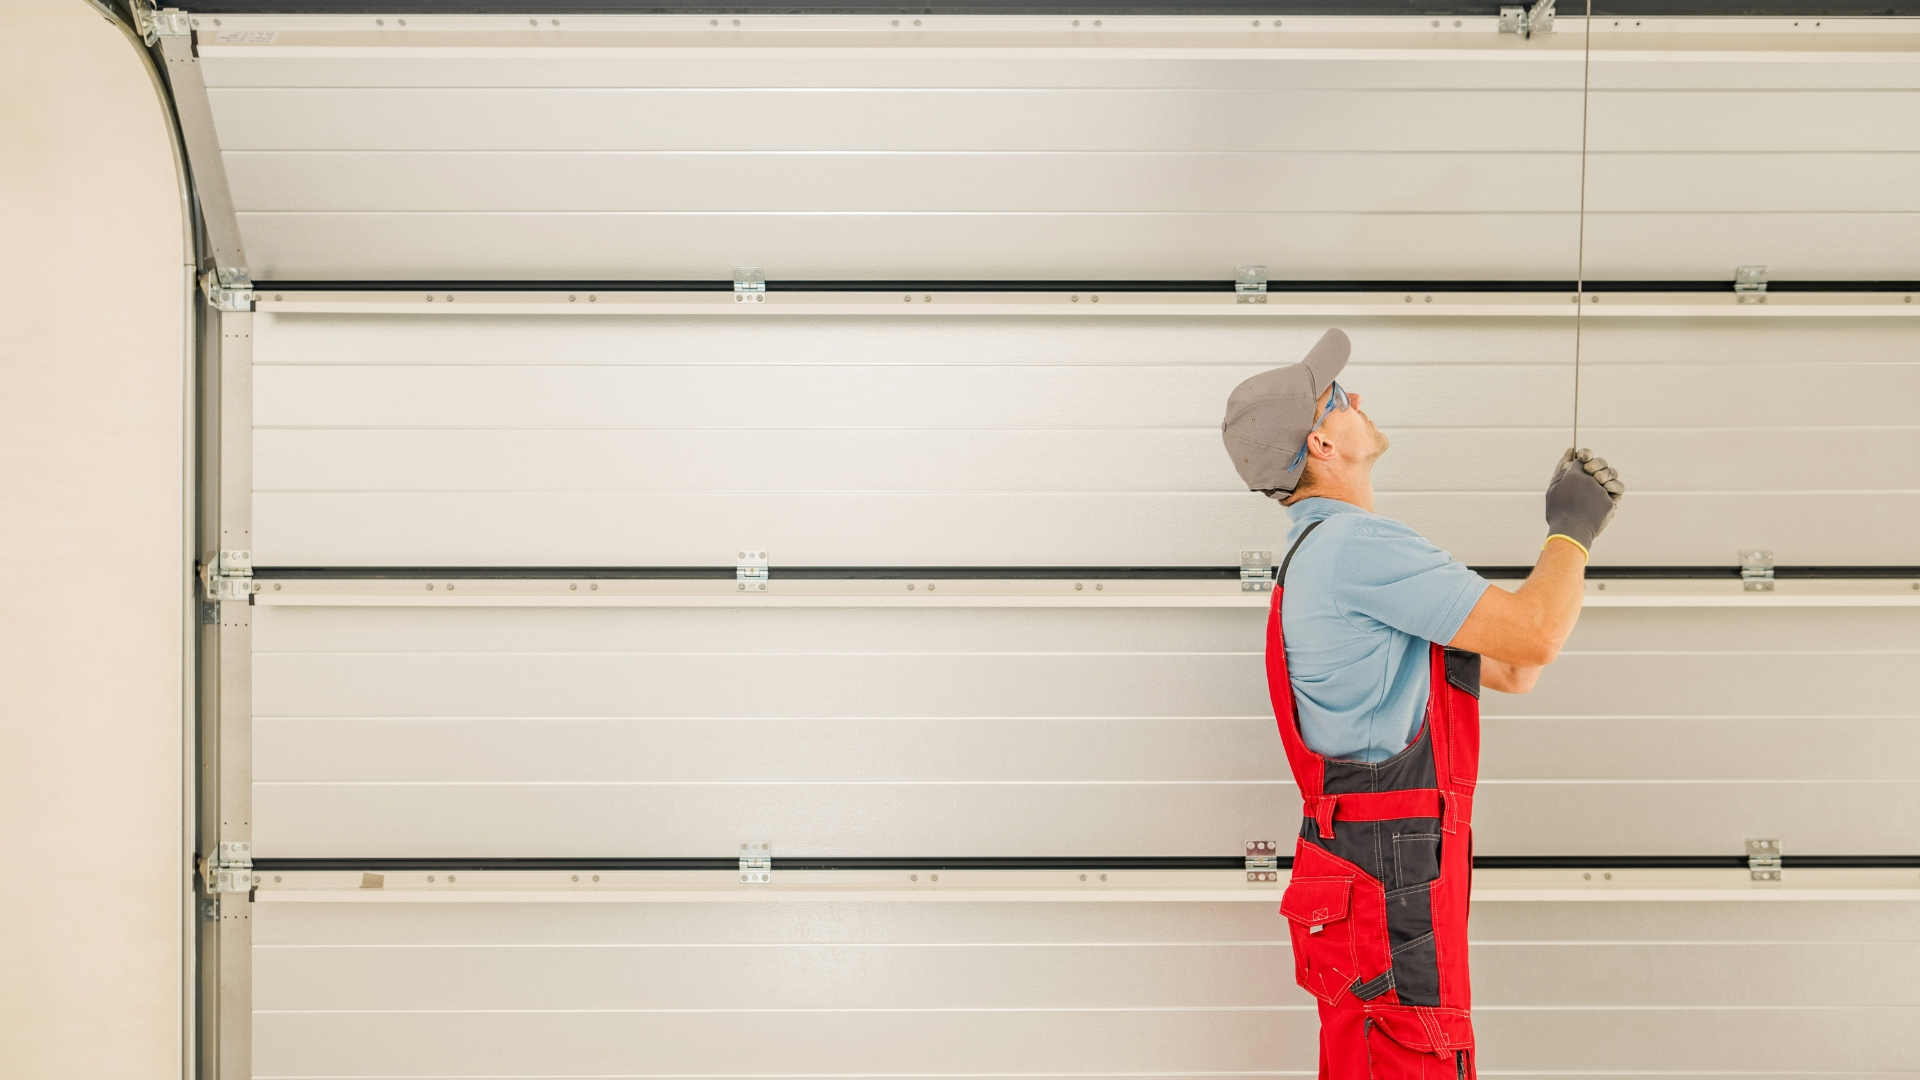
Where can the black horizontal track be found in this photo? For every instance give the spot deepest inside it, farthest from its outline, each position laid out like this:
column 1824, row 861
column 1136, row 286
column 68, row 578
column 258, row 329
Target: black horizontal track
column 1077, row 285
column 999, row 573
column 1175, row 862
column 1569, row 8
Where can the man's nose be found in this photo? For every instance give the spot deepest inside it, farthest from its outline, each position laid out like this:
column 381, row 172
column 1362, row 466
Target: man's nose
column 1353, row 400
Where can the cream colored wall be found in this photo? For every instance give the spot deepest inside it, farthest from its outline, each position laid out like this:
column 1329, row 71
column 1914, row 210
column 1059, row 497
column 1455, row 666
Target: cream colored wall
column 92, row 428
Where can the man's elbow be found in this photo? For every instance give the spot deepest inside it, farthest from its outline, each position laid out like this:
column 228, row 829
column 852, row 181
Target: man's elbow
column 1536, row 651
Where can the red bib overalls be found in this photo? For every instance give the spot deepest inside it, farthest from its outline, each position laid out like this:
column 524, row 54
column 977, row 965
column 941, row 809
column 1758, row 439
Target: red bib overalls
column 1377, row 904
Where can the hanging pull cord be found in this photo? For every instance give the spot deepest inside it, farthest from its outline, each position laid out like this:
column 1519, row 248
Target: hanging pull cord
column 1580, row 263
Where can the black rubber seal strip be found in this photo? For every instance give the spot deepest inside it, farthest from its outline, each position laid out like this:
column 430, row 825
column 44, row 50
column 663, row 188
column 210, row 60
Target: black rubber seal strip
column 1191, row 862
column 1076, row 286
column 1003, row 573
column 1265, row 8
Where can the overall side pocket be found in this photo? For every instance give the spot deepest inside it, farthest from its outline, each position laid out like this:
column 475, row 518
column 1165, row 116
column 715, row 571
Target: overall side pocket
column 1317, row 910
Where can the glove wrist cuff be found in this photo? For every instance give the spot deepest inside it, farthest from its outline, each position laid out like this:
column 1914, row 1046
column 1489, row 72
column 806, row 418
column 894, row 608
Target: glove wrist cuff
column 1584, row 553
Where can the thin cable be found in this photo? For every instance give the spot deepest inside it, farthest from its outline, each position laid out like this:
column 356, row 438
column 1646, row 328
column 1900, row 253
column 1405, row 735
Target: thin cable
column 1580, row 259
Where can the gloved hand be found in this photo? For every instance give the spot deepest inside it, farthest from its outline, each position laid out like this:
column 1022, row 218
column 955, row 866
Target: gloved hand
column 1582, row 497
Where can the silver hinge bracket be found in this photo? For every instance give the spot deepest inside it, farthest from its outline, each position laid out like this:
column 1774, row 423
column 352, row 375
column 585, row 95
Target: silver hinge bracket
column 1756, row 571
column 1256, row 571
column 750, row 571
column 154, row 25
column 230, row 869
column 228, row 288
column 1750, row 284
column 1249, row 284
column 756, row 862
column 1763, row 859
column 749, row 285
column 1527, row 21
column 1263, row 860
column 230, row 576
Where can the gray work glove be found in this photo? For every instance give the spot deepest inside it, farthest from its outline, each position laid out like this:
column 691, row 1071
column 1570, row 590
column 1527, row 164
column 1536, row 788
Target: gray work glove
column 1582, row 497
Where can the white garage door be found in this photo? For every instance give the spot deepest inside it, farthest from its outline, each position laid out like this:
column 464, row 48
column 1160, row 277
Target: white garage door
column 512, row 712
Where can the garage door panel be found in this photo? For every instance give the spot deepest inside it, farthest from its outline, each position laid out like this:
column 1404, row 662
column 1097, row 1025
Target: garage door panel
column 822, row 977
column 866, row 395
column 1694, row 817
column 1763, row 62
column 1346, row 62
column 1001, row 119
column 627, row 1044
column 1553, row 979
column 917, row 247
column 1709, row 633
column 1784, row 120
column 982, row 819
column 801, row 631
column 1130, row 460
column 1041, row 339
column 1736, row 922
column 1705, row 1040
column 1826, row 748
column 309, row 927
column 498, row 181
column 1807, row 683
column 1866, row 246
column 954, row 685
column 1741, row 975
column 709, row 749
column 1820, row 183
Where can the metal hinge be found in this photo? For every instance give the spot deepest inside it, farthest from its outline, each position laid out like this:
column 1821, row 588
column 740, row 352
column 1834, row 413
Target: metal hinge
column 1256, row 571
column 1750, row 284
column 230, row 576
column 1763, row 859
column 749, row 285
column 154, row 25
column 1527, row 22
column 1756, row 571
column 228, row 288
column 230, row 869
column 751, row 571
column 756, row 862
column 1263, row 860
column 1249, row 284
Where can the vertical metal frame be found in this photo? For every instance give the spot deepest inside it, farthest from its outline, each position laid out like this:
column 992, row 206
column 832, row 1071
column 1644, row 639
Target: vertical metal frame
column 224, row 769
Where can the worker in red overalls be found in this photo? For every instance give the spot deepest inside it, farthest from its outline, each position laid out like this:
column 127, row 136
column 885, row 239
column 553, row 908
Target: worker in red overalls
column 1377, row 646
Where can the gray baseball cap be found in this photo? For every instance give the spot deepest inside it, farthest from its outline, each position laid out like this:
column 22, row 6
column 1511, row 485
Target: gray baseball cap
column 1269, row 415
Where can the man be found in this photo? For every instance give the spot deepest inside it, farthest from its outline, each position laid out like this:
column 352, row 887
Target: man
column 1377, row 646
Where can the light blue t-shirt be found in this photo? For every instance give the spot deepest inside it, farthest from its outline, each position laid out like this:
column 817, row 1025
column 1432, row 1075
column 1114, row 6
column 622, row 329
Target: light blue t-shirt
column 1364, row 596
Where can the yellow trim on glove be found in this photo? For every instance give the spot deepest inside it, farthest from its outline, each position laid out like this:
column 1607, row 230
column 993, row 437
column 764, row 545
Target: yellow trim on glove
column 1588, row 555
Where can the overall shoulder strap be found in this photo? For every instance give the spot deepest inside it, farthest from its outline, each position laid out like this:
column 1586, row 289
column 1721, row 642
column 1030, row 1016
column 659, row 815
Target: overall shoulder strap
column 1280, row 579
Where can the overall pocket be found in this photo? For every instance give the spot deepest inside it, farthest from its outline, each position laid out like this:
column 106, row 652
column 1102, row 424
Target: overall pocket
column 1324, row 963
column 1419, row 1044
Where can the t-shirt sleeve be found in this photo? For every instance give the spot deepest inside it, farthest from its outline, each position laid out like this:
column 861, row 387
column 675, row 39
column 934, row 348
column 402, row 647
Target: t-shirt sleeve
column 1393, row 575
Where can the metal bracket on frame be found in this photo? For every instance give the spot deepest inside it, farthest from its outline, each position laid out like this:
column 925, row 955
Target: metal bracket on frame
column 228, row 288
column 1756, row 571
column 751, row 571
column 1249, row 284
column 1527, row 22
column 1263, row 860
column 1256, row 571
column 230, row 576
column 749, row 285
column 1750, row 284
column 154, row 25
column 756, row 862
column 1763, row 859
column 230, row 869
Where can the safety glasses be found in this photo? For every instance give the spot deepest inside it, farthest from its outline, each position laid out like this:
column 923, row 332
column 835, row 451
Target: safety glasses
column 1335, row 400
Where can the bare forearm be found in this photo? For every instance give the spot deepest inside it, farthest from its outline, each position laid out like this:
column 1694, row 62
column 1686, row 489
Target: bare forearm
column 1525, row 628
